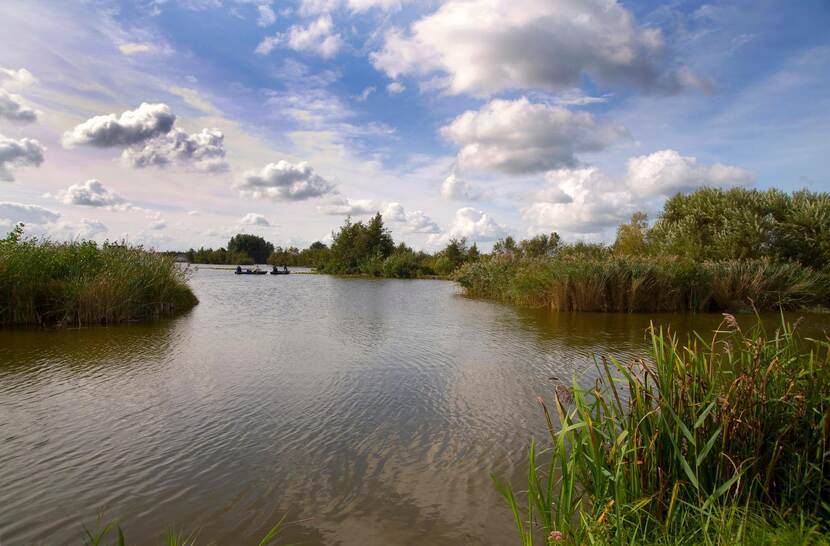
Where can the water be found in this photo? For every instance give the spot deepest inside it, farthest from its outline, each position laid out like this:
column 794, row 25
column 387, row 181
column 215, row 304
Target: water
column 364, row 411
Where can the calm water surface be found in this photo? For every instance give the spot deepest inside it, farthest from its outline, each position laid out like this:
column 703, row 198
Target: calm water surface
column 365, row 411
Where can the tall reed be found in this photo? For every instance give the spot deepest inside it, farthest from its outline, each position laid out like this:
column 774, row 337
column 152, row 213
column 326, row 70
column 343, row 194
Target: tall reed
column 699, row 444
column 644, row 284
column 48, row 283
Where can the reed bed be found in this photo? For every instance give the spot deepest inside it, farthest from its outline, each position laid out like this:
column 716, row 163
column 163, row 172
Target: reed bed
column 45, row 283
column 644, row 284
column 718, row 441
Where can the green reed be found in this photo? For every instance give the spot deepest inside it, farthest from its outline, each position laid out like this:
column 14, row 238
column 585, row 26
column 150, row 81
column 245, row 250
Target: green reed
column 644, row 283
column 720, row 441
column 76, row 283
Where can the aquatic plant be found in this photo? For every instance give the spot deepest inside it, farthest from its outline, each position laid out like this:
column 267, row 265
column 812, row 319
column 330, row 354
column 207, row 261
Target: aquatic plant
column 722, row 441
column 573, row 281
column 75, row 283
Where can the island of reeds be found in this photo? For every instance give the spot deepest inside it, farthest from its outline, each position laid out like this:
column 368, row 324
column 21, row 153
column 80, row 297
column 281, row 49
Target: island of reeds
column 707, row 251
column 46, row 283
column 722, row 440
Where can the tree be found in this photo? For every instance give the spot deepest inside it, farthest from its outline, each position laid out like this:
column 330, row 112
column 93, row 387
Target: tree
column 540, row 245
column 631, row 237
column 254, row 246
column 506, row 246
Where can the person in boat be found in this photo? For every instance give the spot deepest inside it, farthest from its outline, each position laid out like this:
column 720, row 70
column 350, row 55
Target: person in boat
column 239, row 269
column 285, row 269
column 275, row 269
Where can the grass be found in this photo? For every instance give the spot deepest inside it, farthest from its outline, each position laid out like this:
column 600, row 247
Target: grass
column 644, row 284
column 45, row 283
column 720, row 441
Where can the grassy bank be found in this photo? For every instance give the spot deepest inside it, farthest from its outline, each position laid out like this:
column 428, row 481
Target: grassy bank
column 719, row 441
column 51, row 284
column 581, row 282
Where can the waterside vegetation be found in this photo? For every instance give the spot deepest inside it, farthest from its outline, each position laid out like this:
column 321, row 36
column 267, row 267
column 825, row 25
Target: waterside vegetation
column 45, row 283
column 716, row 441
column 709, row 250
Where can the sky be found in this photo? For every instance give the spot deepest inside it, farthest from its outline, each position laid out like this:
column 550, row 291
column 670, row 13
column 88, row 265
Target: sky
column 178, row 123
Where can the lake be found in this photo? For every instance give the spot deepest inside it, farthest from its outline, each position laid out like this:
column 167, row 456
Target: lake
column 364, row 411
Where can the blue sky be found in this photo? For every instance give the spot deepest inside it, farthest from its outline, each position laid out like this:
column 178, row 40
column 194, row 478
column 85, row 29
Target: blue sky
column 178, row 123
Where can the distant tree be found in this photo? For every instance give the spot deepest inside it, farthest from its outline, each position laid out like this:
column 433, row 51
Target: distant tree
column 506, row 246
column 631, row 237
column 254, row 246
column 540, row 245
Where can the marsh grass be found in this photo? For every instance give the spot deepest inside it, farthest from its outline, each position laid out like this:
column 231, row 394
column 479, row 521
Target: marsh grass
column 644, row 284
column 718, row 441
column 47, row 283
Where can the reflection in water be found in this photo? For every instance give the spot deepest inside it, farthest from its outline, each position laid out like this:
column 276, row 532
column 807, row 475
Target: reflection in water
column 366, row 411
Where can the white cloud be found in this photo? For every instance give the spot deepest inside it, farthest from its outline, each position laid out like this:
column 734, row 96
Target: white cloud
column 356, row 6
column 194, row 213
column 13, row 213
column 135, row 48
column 131, row 127
column 16, row 79
column 203, row 151
column 267, row 17
column 18, row 153
column 365, row 93
column 411, row 222
column 284, row 181
column 317, row 37
column 472, row 224
column 195, row 99
column 586, row 201
column 482, row 47
column 13, row 108
column 253, row 219
column 667, row 172
column 91, row 193
column 342, row 206
column 517, row 136
column 395, row 87
column 90, row 228
column 158, row 225
column 456, row 189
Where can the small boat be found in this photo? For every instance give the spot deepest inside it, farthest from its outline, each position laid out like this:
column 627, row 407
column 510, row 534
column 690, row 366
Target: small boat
column 283, row 271
column 240, row 271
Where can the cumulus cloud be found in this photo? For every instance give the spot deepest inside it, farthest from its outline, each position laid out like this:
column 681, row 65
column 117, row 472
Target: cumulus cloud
column 410, row 222
column 481, row 47
column 253, row 219
column 317, row 37
column 284, row 181
column 518, row 136
column 91, row 193
column 90, row 228
column 12, row 213
column 203, row 151
column 25, row 152
column 158, row 225
column 587, row 201
column 131, row 127
column 472, row 224
column 267, row 17
column 342, row 206
column 456, row 189
column 13, row 108
column 16, row 79
column 395, row 87
column 667, row 172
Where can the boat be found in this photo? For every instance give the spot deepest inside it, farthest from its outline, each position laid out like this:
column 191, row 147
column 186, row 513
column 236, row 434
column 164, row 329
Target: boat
column 283, row 271
column 240, row 271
